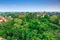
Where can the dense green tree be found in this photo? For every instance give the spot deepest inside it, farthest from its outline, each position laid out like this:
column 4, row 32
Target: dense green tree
column 30, row 27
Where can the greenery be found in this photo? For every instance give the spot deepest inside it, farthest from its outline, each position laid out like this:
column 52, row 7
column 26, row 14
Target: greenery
column 30, row 27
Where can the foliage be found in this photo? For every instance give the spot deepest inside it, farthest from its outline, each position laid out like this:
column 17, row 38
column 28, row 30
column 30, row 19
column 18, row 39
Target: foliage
column 30, row 27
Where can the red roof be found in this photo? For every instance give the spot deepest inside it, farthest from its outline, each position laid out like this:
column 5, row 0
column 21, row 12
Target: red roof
column 21, row 15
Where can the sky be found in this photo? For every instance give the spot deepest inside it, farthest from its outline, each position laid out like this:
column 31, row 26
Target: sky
column 29, row 5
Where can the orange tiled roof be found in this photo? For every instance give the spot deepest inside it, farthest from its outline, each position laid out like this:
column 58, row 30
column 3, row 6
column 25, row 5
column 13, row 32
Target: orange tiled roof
column 21, row 15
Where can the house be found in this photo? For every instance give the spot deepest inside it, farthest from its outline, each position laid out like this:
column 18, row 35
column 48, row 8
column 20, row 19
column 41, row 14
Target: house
column 21, row 15
column 2, row 19
column 42, row 14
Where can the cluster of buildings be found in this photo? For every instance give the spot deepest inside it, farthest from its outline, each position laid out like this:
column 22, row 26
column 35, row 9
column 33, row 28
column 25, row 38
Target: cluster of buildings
column 42, row 14
column 4, row 19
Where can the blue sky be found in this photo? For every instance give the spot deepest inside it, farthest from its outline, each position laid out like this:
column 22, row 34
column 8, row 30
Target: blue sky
column 29, row 5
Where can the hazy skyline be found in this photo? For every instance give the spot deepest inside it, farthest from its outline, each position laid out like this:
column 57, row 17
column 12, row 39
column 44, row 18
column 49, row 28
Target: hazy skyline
column 29, row 5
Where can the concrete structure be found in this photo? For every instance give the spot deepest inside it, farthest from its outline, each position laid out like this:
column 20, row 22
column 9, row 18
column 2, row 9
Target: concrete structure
column 2, row 19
